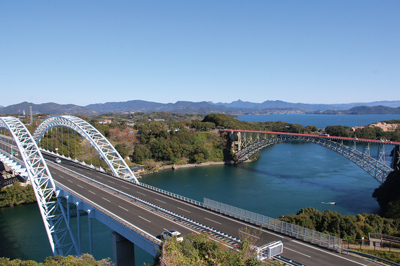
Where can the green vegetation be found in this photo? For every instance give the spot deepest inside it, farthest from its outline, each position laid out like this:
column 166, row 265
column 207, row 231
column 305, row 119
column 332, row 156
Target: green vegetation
column 16, row 194
column 222, row 121
column 343, row 226
column 178, row 146
column 388, row 196
column 82, row 260
column 141, row 117
column 199, row 249
column 365, row 133
column 392, row 256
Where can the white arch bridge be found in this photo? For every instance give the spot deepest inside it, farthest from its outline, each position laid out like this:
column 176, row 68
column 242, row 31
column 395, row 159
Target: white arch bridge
column 21, row 153
column 246, row 143
column 104, row 148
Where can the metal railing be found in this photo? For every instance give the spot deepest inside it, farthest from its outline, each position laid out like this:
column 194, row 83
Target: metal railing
column 305, row 234
column 173, row 215
column 195, row 202
column 371, row 256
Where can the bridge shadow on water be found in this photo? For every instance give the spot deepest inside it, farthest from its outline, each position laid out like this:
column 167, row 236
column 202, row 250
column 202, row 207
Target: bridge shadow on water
column 10, row 245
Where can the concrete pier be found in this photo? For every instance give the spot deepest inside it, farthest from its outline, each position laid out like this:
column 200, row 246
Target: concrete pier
column 123, row 251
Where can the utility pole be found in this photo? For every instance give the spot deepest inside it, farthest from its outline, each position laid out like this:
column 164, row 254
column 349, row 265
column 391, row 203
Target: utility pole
column 30, row 108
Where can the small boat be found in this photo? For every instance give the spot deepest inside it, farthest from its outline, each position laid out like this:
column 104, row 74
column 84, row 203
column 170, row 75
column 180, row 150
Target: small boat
column 330, row 203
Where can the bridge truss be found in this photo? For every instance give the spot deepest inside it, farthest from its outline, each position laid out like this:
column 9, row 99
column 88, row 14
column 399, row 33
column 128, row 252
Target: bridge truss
column 52, row 210
column 249, row 143
column 105, row 149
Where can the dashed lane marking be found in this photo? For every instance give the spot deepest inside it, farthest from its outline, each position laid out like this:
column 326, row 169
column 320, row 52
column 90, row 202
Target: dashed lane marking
column 248, row 234
column 123, row 208
column 297, row 252
column 212, row 220
column 145, row 219
column 184, row 210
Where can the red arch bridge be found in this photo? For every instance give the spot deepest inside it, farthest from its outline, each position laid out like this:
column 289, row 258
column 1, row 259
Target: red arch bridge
column 246, row 143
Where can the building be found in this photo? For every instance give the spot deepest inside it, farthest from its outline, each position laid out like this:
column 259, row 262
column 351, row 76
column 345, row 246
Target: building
column 137, row 169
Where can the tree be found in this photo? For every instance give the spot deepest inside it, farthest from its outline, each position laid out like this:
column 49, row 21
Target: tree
column 122, row 150
column 388, row 195
column 140, row 154
column 339, row 131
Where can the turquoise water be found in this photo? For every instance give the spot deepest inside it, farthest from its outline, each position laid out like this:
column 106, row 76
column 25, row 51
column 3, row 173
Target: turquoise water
column 286, row 178
column 22, row 235
column 320, row 121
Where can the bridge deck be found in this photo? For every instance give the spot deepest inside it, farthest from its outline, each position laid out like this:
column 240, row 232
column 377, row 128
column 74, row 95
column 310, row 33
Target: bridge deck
column 155, row 224
column 314, row 136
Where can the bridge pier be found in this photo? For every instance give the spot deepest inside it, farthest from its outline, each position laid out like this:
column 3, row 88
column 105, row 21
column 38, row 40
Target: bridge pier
column 396, row 158
column 123, row 250
column 234, row 142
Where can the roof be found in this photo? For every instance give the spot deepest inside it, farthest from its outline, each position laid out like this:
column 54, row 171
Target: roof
column 137, row 168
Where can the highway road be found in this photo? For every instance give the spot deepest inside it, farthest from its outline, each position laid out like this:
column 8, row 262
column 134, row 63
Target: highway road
column 155, row 223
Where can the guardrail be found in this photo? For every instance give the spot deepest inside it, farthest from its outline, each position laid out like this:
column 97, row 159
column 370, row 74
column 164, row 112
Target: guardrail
column 370, row 256
column 305, row 234
column 175, row 215
column 198, row 203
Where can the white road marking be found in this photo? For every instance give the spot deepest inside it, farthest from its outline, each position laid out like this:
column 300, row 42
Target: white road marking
column 80, row 186
column 125, row 187
column 145, row 219
column 248, row 234
column 123, row 208
column 70, row 181
column 211, row 220
column 327, row 252
column 105, row 199
column 184, row 210
column 61, row 176
column 159, row 200
column 297, row 252
column 142, row 193
column 111, row 181
column 92, row 192
column 100, row 177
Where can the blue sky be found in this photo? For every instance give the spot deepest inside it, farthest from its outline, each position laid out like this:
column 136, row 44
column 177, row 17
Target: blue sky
column 84, row 52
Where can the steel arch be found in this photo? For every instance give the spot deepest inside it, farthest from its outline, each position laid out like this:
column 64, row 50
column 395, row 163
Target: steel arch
column 52, row 211
column 94, row 137
column 375, row 168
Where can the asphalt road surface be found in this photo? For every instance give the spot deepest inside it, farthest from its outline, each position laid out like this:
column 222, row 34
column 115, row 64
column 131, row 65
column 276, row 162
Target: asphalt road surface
column 155, row 224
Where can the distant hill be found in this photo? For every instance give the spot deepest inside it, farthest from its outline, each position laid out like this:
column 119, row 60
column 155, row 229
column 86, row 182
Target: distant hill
column 363, row 110
column 304, row 106
column 366, row 110
column 46, row 108
column 236, row 107
column 178, row 107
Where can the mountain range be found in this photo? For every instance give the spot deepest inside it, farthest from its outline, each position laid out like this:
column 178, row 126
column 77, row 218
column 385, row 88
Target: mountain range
column 236, row 107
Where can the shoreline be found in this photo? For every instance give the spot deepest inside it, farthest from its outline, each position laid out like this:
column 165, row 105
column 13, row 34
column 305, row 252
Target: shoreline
column 176, row 167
